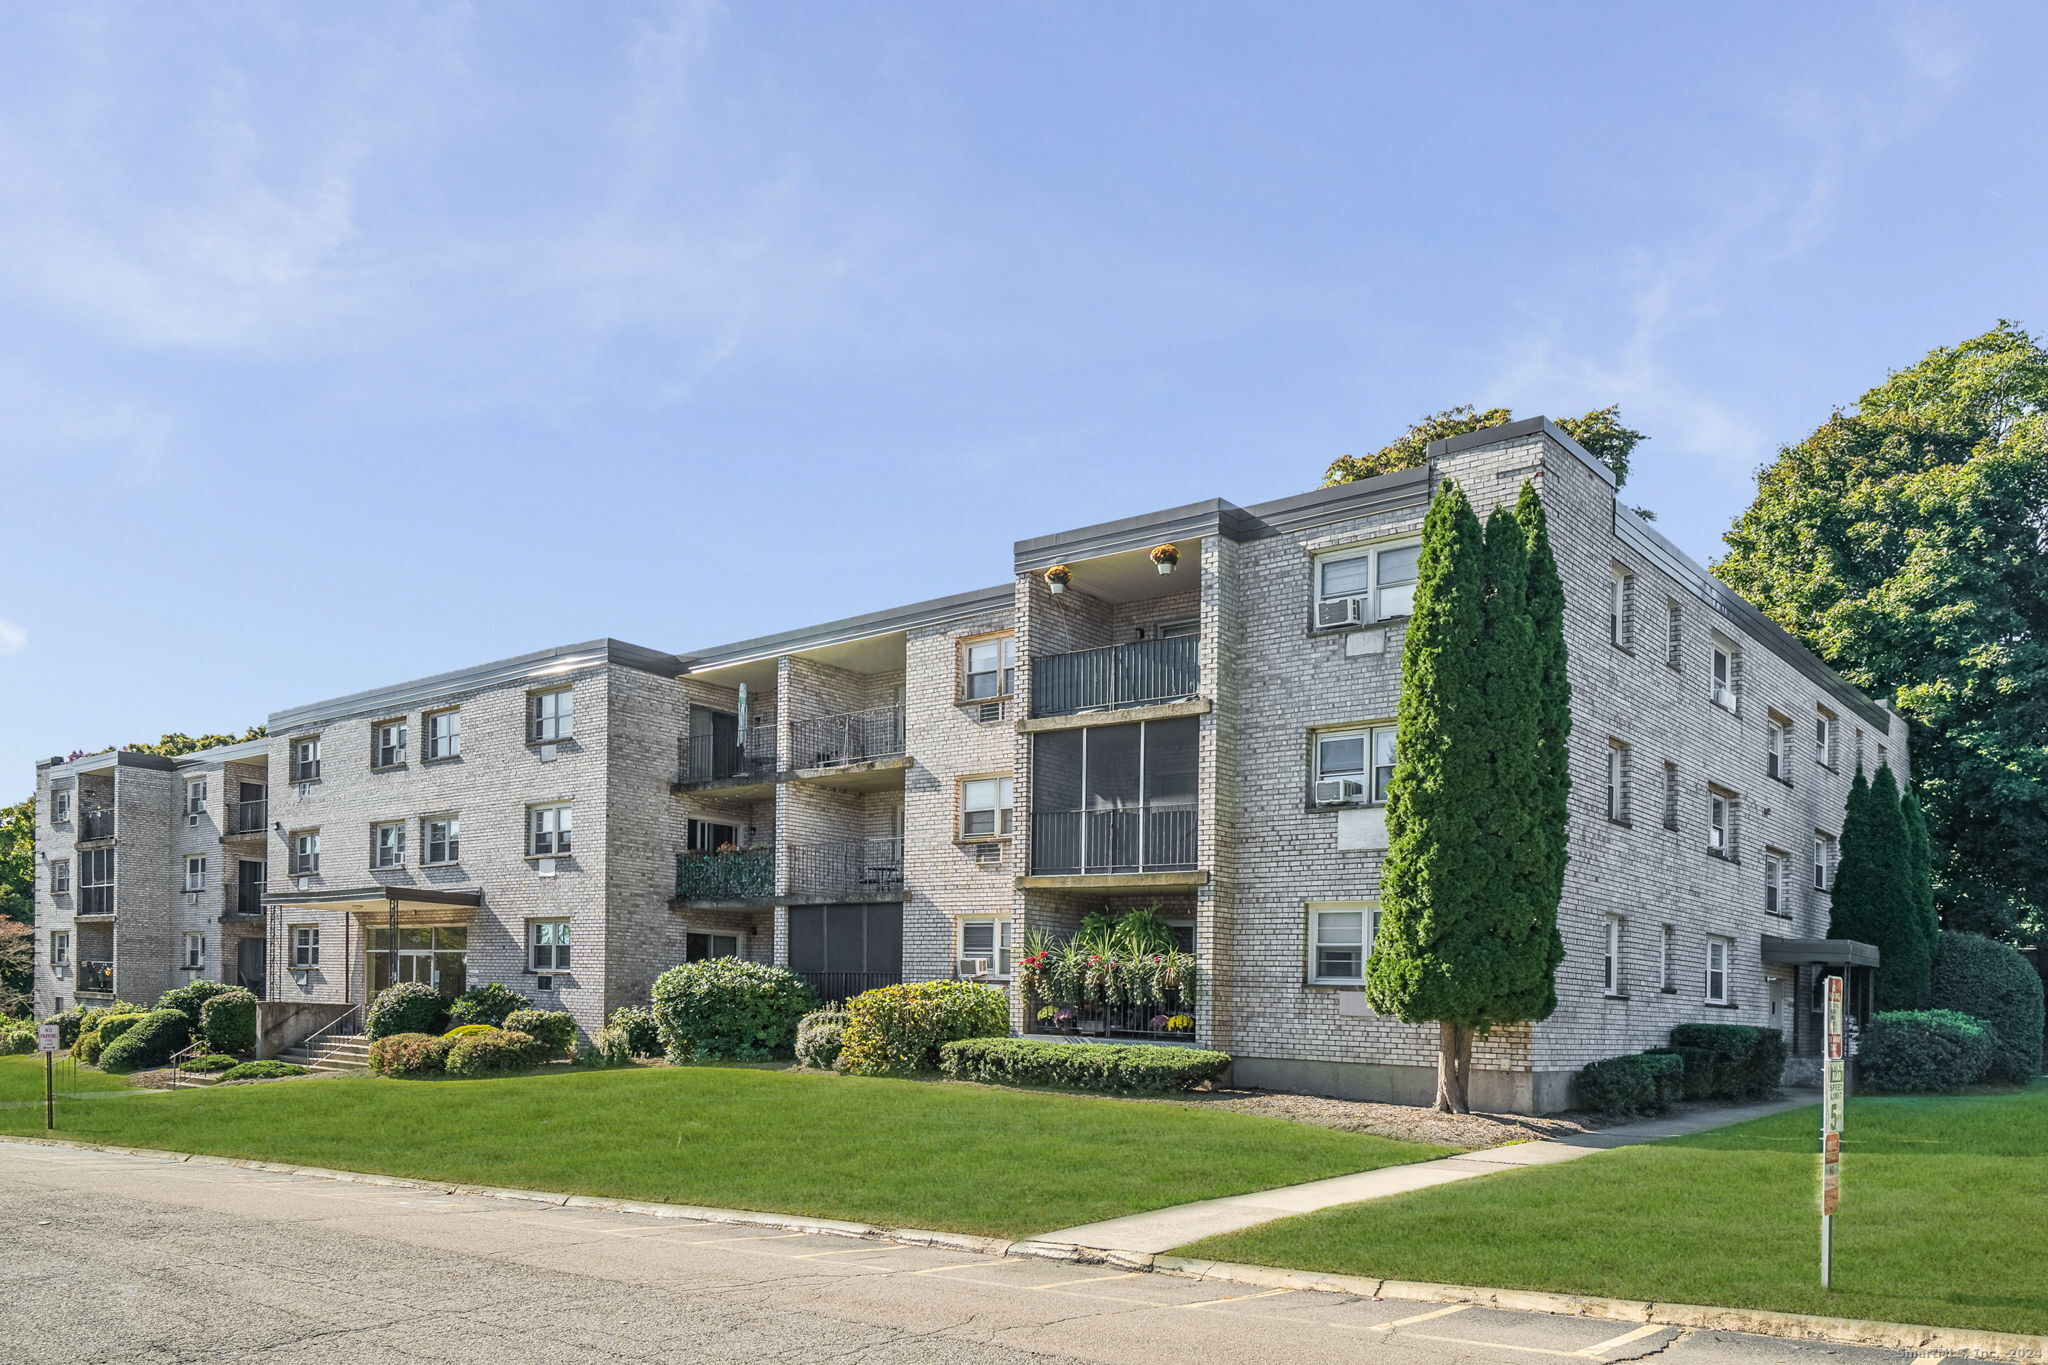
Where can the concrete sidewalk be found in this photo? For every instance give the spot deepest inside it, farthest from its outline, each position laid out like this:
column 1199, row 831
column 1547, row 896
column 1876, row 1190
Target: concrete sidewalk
column 1164, row 1229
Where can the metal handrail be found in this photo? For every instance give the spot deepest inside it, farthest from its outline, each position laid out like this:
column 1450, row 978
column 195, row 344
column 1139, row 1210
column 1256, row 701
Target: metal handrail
column 248, row 817
column 308, row 1043
column 1141, row 673
column 849, row 737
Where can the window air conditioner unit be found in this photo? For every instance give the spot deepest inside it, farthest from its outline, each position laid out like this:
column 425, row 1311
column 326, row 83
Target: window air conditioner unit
column 1340, row 611
column 974, row 966
column 1341, row 791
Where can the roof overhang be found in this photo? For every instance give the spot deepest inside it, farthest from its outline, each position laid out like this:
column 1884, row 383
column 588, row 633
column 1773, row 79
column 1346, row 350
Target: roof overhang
column 402, row 904
column 1828, row 952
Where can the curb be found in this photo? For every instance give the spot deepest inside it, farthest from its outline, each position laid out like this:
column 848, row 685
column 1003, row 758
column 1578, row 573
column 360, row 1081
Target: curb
column 1896, row 1336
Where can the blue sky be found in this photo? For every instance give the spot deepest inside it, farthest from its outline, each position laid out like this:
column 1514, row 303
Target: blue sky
column 345, row 344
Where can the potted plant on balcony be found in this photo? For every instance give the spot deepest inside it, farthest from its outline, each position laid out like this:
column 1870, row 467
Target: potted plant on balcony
column 1165, row 557
column 1057, row 578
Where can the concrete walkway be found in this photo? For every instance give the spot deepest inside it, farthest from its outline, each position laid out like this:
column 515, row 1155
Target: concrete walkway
column 1164, row 1229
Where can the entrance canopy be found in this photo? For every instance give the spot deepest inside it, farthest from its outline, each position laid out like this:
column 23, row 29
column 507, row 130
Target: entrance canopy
column 392, row 906
column 1819, row 952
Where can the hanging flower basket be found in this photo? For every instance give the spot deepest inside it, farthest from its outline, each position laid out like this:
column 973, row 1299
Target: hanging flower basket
column 1165, row 557
column 1057, row 578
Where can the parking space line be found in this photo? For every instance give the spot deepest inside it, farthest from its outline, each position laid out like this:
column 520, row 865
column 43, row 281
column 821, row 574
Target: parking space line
column 1238, row 1298
column 1086, row 1279
column 849, row 1251
column 1648, row 1329
column 1498, row 1345
column 1929, row 1360
column 1419, row 1317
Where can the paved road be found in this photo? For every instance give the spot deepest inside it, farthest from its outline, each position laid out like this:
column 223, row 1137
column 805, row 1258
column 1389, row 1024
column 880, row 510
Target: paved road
column 118, row 1258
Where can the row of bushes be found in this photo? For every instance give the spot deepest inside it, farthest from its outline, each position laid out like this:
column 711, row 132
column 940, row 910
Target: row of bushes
column 416, row 1007
column 1702, row 1062
column 529, row 1038
column 1120, row 1068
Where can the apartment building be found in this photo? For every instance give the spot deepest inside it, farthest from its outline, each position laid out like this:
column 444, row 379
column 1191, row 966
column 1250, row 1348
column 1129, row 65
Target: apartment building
column 915, row 792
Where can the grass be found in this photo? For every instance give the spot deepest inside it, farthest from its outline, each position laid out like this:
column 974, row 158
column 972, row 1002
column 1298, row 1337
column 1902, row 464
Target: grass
column 1943, row 1221
column 21, row 1082
column 895, row 1152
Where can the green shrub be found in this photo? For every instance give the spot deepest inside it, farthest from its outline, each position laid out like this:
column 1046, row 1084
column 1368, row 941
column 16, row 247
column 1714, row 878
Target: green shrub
column 402, row 1055
column 493, row 1053
column 408, row 1007
column 487, row 1004
column 150, row 1040
column 1910, row 1051
column 214, row 1062
column 227, row 1021
column 728, row 1009
column 99, row 1032
column 1700, row 1068
column 1994, row 981
column 1639, row 1083
column 642, row 1034
column 1117, row 1068
column 16, row 1039
column 261, row 1071
column 76, row 1020
column 900, row 1028
column 190, row 998
column 1748, row 1061
column 819, row 1037
column 552, row 1029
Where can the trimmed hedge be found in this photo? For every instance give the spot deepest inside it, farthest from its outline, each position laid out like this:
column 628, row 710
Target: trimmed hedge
column 819, row 1038
column 1995, row 982
column 1917, row 1051
column 261, row 1071
column 1115, row 1068
column 493, row 1053
column 92, row 1042
column 552, row 1029
column 408, row 1007
column 227, row 1021
column 1639, row 1083
column 150, row 1041
column 642, row 1034
column 489, row 1003
column 1748, row 1061
column 404, row 1055
column 728, row 1009
column 1699, row 1066
column 214, row 1062
column 190, row 1000
column 900, row 1028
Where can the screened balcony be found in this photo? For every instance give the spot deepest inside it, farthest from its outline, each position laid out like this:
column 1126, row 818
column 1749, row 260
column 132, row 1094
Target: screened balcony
column 1116, row 799
column 1143, row 673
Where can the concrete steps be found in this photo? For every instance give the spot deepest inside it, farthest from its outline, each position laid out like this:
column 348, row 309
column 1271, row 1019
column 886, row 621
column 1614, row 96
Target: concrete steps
column 337, row 1052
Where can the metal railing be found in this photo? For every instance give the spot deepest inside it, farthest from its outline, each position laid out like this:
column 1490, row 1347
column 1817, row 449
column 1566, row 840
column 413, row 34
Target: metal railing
column 247, row 817
column 1143, row 673
column 95, row 900
column 852, row 737
column 1171, row 1022
column 98, row 824
column 347, row 1024
column 1134, row 839
column 835, row 987
column 96, row 978
column 846, row 870
column 715, row 758
column 743, row 874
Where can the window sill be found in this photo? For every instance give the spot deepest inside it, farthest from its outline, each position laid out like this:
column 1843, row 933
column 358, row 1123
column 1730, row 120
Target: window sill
column 1785, row 781
column 1719, row 857
column 1615, row 995
column 1312, row 984
column 305, row 781
column 1778, row 914
column 1729, row 707
column 1720, row 1004
column 1621, row 648
column 1619, row 824
column 984, row 701
column 544, row 743
column 452, row 862
column 1667, row 990
column 392, row 867
column 387, row 767
column 444, row 758
column 1337, row 807
column 982, row 840
column 562, row 857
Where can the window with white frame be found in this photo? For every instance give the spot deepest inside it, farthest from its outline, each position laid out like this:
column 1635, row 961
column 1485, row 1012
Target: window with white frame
column 1673, row 632
column 1717, row 969
column 550, row 716
column 1825, row 737
column 1621, row 594
column 1778, row 747
column 548, row 942
column 195, row 796
column 306, row 759
column 305, row 946
column 1380, row 579
column 1667, row 960
column 1823, row 861
column 195, row 951
column 387, row 744
column 442, row 835
column 985, row 940
column 305, row 852
column 1777, row 883
column 60, row 877
column 985, row 807
column 1354, row 765
column 1611, row 960
column 549, row 830
column 988, row 668
column 60, row 804
column 387, row 844
column 1727, row 677
column 1722, row 806
column 1340, row 935
column 444, row 733
column 1617, row 781
column 195, row 872
column 60, row 948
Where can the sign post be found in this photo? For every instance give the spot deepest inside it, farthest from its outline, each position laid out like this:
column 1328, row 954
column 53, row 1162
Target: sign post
column 1833, row 1098
column 48, row 1038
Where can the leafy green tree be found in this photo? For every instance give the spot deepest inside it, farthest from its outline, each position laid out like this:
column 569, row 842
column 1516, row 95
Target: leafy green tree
column 1903, row 542
column 1874, row 900
column 178, row 745
column 1553, row 693
column 18, row 862
column 1599, row 431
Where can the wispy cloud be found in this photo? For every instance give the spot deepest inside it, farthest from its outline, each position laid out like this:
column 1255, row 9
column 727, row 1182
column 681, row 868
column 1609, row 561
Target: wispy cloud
column 13, row 639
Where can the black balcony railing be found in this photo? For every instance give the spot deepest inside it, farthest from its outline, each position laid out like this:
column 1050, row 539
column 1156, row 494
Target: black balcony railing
column 834, row 987
column 743, row 874
column 846, row 871
column 853, row 737
column 715, row 758
column 247, row 817
column 96, row 978
column 1134, row 839
column 98, row 824
column 95, row 900
column 1172, row 1022
column 1144, row 673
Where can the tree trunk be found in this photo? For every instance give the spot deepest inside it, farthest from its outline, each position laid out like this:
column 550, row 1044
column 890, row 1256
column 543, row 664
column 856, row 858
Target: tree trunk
column 1453, row 1068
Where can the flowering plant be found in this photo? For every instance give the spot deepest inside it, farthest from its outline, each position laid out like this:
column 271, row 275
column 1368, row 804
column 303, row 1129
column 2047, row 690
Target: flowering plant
column 1059, row 575
column 1165, row 554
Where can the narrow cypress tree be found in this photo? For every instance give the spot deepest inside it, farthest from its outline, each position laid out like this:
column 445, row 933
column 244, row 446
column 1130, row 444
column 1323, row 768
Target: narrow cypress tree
column 1874, row 901
column 1553, row 712
column 1922, row 848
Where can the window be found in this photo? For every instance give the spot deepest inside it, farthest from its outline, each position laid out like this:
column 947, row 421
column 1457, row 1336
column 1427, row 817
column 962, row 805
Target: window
column 442, row 835
column 305, row 846
column 1671, row 796
column 195, row 951
column 1824, row 738
column 548, row 942
column 306, row 759
column 1353, row 766
column 1717, row 969
column 444, row 733
column 1823, row 861
column 1672, row 630
column 96, row 881
column 1884, row 757
column 60, row 804
column 60, row 947
column 1667, row 961
column 1610, row 968
column 195, row 872
column 550, row 716
column 548, row 830
column 985, row 940
column 305, row 947
column 1381, row 580
column 1178, row 630
column 1621, row 594
column 705, row 947
column 1340, row 935
column 985, row 807
column 1721, row 823
column 387, row 844
column 1727, row 676
column 1617, row 782
column 988, row 668
column 711, row 836
column 1778, row 748
column 195, row 797
column 1776, row 883
column 60, row 877
column 387, row 744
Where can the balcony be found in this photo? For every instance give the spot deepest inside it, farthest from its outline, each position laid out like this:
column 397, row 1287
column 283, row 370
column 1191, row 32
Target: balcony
column 721, row 757
column 1144, row 673
column 846, row 871
column 95, row 978
column 97, row 824
column 248, row 817
column 741, row 875
column 851, row 737
column 1105, row 842
column 95, row 900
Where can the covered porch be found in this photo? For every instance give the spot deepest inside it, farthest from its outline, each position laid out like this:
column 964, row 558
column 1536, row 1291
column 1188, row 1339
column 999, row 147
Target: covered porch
column 402, row 933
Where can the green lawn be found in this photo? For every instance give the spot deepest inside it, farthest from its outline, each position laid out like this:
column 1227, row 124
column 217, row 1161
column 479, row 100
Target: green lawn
column 21, row 1082
column 1944, row 1220
column 901, row 1153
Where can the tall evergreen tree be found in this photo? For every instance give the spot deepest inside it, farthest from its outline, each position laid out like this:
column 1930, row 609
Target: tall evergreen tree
column 1921, row 846
column 1874, row 901
column 1553, row 704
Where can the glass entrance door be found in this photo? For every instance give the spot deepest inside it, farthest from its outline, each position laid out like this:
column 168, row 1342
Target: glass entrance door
column 438, row 956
